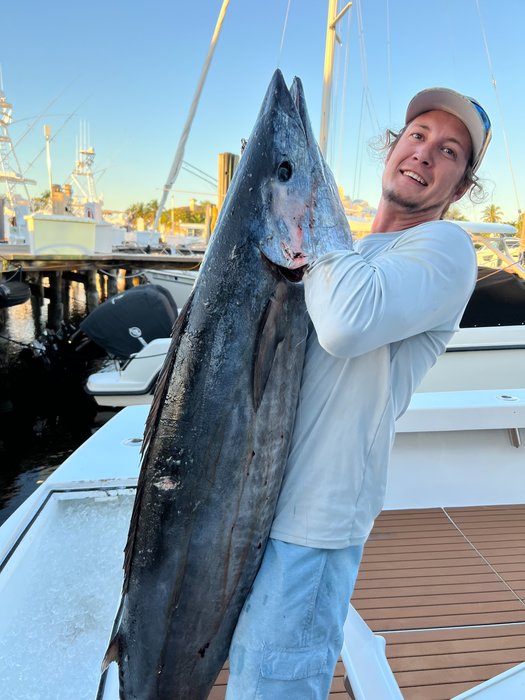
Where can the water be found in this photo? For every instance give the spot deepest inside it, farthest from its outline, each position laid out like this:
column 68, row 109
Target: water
column 45, row 413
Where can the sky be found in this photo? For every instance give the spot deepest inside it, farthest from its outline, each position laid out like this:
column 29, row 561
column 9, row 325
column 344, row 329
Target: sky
column 128, row 71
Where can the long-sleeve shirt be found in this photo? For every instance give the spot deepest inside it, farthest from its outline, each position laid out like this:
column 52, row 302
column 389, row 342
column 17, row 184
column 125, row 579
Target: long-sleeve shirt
column 381, row 315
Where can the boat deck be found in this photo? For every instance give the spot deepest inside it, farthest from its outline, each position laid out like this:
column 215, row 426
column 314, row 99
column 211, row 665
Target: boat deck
column 446, row 588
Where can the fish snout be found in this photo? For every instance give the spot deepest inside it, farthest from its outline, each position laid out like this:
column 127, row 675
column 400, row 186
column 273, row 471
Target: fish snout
column 293, row 256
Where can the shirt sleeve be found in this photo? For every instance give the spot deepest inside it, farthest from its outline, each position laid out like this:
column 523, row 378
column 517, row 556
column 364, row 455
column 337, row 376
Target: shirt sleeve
column 410, row 361
column 419, row 284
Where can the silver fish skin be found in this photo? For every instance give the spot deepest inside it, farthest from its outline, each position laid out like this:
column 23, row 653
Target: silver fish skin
column 220, row 425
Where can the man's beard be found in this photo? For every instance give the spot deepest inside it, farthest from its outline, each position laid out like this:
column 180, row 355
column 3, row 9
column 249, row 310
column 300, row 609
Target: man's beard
column 395, row 198
column 391, row 196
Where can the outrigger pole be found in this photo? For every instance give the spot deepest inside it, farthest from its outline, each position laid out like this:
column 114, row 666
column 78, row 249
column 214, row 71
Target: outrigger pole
column 179, row 155
column 331, row 36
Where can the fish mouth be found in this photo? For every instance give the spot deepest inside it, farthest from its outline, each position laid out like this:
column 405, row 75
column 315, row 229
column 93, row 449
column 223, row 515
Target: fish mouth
column 293, row 275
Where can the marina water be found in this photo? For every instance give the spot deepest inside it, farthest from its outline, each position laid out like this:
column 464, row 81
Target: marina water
column 45, row 413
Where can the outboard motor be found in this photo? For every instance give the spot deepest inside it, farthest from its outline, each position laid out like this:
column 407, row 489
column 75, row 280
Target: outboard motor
column 127, row 322
column 497, row 300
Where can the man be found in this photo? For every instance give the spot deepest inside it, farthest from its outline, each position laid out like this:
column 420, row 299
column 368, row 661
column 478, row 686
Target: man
column 381, row 315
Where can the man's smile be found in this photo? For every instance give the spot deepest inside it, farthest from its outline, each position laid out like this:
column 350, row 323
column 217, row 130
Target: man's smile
column 414, row 176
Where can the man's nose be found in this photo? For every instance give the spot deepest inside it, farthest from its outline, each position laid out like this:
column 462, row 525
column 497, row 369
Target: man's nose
column 423, row 155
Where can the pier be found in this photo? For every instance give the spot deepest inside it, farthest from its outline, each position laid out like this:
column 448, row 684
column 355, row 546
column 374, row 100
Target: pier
column 99, row 273
column 27, row 262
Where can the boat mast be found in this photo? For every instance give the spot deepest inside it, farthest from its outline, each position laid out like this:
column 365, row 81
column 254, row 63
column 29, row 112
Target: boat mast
column 83, row 170
column 331, row 36
column 179, row 155
column 10, row 170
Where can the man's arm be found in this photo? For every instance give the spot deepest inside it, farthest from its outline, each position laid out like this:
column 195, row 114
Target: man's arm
column 420, row 284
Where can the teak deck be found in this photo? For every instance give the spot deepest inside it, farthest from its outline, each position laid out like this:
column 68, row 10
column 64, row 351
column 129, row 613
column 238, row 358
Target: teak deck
column 446, row 588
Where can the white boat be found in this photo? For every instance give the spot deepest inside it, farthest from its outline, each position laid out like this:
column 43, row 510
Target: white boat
column 459, row 446
column 131, row 380
column 61, row 552
column 476, row 357
column 458, row 456
column 179, row 283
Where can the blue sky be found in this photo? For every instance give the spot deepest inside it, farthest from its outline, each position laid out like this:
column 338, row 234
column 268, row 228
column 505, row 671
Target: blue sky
column 129, row 70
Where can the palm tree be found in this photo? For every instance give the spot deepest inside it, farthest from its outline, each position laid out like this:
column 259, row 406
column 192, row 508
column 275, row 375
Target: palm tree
column 455, row 214
column 150, row 212
column 41, row 202
column 492, row 214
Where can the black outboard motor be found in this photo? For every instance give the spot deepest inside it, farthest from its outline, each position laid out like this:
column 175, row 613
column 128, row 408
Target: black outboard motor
column 497, row 300
column 13, row 293
column 126, row 323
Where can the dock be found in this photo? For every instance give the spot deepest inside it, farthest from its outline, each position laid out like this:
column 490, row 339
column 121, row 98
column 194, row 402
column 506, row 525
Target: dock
column 27, row 262
column 98, row 273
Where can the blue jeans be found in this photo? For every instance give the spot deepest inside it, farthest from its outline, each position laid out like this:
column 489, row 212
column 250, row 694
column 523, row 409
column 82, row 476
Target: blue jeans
column 290, row 631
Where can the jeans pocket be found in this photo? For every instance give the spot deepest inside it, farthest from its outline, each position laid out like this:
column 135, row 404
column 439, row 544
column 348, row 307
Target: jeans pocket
column 293, row 664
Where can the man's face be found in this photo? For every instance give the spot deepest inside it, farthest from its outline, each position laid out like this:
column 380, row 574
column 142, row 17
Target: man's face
column 424, row 170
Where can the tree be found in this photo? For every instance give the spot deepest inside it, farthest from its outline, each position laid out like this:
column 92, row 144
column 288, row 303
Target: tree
column 179, row 215
column 41, row 202
column 455, row 214
column 134, row 212
column 492, row 214
column 150, row 212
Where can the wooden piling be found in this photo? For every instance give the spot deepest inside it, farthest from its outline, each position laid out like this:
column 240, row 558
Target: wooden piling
column 102, row 285
column 128, row 283
column 112, row 283
column 55, row 312
column 92, row 299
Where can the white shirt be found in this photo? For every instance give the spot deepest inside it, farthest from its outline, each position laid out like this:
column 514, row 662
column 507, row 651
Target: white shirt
column 382, row 313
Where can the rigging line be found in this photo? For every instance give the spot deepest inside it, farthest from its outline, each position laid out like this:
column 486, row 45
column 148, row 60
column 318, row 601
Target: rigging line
column 493, row 81
column 179, row 154
column 364, row 68
column 54, row 136
column 194, row 167
column 496, row 270
column 343, row 96
column 478, row 552
column 283, row 33
column 360, row 166
column 15, row 274
column 18, row 342
column 358, row 150
column 388, row 62
column 41, row 114
column 201, row 177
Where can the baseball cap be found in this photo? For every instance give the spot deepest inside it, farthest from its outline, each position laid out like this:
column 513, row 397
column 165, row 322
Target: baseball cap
column 467, row 109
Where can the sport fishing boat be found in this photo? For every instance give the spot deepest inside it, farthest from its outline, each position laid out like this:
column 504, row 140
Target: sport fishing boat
column 442, row 577
column 488, row 345
column 438, row 611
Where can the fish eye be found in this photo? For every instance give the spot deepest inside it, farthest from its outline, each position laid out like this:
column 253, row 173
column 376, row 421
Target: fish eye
column 284, row 171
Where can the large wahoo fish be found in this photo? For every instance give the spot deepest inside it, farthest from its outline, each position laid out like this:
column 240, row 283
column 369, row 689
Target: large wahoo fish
column 220, row 425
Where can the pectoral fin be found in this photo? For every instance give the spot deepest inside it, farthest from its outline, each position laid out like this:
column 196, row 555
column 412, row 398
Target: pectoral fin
column 270, row 335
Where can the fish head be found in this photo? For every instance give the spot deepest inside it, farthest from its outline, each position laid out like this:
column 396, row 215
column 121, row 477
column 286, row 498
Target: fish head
column 290, row 201
column 329, row 228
